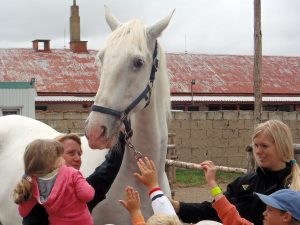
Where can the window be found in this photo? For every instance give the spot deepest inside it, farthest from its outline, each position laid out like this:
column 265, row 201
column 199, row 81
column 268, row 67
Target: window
column 6, row 112
column 246, row 107
column 41, row 107
column 178, row 107
column 214, row 107
column 229, row 107
column 193, row 108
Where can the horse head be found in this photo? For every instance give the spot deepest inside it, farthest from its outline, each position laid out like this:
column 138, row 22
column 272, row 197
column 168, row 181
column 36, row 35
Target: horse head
column 126, row 60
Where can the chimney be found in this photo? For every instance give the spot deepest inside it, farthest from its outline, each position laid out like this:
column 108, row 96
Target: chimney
column 46, row 42
column 76, row 45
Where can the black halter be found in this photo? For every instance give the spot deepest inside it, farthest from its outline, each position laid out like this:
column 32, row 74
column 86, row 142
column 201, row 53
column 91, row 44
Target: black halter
column 122, row 115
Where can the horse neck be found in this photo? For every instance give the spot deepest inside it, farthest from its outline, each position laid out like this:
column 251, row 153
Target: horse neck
column 150, row 131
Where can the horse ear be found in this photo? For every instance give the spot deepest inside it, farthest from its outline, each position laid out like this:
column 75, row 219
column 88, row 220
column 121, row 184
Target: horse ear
column 112, row 21
column 156, row 29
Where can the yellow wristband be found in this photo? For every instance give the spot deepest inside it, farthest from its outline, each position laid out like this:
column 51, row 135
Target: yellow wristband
column 215, row 191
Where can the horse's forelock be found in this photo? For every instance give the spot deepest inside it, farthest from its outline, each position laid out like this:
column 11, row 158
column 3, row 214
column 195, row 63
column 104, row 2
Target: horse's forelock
column 128, row 34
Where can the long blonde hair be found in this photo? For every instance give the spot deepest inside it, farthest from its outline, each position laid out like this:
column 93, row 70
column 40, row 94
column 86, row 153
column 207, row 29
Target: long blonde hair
column 160, row 219
column 281, row 136
column 40, row 158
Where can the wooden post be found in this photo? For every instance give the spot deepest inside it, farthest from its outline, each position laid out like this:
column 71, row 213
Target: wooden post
column 256, row 73
column 171, row 155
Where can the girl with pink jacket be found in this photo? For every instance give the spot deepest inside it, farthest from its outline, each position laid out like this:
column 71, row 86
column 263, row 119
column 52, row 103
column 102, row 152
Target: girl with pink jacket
column 60, row 189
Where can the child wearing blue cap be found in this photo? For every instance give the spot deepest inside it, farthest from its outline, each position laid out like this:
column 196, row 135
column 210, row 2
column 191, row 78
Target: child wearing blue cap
column 282, row 207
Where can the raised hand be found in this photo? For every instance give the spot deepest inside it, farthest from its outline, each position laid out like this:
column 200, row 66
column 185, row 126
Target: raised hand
column 148, row 174
column 210, row 173
column 132, row 201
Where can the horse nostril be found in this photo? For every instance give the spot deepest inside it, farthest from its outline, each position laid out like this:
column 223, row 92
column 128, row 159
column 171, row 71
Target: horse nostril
column 104, row 130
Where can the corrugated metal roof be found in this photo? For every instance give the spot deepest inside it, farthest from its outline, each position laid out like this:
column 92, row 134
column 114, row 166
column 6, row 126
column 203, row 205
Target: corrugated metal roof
column 232, row 74
column 62, row 72
column 58, row 71
column 186, row 98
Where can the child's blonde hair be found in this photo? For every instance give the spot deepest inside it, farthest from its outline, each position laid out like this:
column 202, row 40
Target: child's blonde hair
column 40, row 158
column 280, row 134
column 160, row 219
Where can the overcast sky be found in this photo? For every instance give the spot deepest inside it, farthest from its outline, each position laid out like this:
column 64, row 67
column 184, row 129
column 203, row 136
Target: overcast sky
column 198, row 26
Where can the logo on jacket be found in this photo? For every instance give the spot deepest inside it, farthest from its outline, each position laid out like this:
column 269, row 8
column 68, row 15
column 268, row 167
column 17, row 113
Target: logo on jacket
column 245, row 186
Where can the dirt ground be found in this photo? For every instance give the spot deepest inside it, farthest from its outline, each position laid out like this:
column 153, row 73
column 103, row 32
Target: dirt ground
column 194, row 194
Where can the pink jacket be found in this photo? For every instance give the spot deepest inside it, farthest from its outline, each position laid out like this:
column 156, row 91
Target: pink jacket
column 66, row 204
column 228, row 213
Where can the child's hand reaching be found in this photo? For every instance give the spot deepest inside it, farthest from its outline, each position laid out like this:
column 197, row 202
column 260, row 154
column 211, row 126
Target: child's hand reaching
column 132, row 201
column 148, row 174
column 210, row 173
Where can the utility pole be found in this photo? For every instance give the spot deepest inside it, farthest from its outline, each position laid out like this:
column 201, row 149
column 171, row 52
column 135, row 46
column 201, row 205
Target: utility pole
column 256, row 76
column 257, row 63
column 193, row 82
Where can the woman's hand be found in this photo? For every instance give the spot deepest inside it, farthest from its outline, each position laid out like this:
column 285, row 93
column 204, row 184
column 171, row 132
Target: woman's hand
column 148, row 174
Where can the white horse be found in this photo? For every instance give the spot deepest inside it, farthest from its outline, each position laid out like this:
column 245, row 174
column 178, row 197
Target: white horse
column 126, row 64
column 126, row 67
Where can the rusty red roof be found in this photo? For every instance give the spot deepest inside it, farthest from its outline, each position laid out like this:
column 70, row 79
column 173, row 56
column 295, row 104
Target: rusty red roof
column 58, row 71
column 62, row 72
column 231, row 74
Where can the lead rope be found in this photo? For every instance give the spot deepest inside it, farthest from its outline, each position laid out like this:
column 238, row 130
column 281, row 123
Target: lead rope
column 137, row 155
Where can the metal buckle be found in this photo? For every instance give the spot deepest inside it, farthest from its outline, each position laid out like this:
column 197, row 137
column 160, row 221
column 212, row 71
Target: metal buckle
column 137, row 155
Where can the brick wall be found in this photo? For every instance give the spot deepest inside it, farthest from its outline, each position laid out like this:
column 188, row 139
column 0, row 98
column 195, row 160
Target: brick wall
column 220, row 136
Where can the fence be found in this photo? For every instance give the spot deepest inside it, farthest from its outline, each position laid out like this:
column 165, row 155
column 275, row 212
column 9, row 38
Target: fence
column 171, row 162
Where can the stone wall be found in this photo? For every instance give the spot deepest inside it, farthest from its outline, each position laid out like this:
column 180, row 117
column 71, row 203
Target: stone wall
column 65, row 121
column 220, row 136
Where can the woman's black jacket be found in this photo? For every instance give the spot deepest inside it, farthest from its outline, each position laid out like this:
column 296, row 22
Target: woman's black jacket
column 240, row 193
column 101, row 180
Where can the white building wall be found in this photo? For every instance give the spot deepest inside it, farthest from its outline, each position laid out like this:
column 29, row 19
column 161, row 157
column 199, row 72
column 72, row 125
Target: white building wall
column 19, row 99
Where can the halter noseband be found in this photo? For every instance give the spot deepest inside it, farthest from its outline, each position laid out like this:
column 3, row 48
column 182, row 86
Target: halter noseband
column 122, row 115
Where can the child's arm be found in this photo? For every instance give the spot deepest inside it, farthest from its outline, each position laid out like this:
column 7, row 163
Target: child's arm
column 84, row 191
column 133, row 205
column 226, row 211
column 26, row 207
column 148, row 176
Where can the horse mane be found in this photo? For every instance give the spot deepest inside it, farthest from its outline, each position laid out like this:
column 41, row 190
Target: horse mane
column 164, row 82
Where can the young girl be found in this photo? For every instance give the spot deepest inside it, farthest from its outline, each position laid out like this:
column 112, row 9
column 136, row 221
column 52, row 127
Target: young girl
column 47, row 181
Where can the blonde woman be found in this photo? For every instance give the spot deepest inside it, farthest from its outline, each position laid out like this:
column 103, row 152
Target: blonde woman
column 277, row 169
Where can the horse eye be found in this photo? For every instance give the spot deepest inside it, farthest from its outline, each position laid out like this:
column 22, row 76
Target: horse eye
column 138, row 63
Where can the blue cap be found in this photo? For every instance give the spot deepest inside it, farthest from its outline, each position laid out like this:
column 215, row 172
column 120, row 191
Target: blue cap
column 285, row 199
